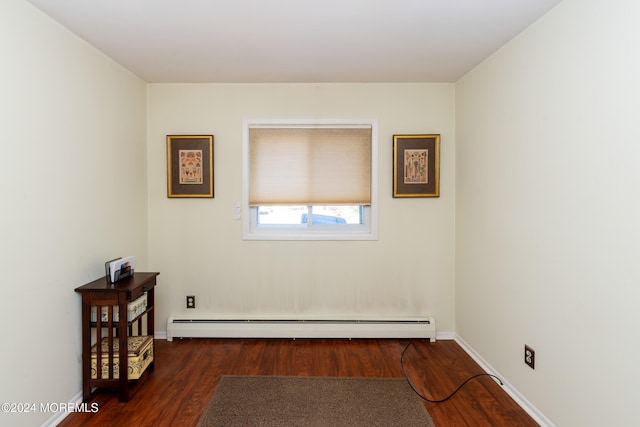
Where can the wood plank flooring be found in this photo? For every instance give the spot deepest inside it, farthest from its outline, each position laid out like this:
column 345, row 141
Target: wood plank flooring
column 186, row 373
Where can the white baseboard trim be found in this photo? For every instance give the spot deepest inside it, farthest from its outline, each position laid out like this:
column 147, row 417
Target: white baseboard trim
column 446, row 336
column 511, row 391
column 61, row 415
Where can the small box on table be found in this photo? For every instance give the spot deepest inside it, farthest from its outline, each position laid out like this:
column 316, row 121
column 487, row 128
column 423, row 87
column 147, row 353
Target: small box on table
column 140, row 355
column 134, row 309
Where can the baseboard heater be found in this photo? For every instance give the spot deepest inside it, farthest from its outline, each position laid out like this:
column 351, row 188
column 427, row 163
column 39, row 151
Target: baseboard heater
column 184, row 327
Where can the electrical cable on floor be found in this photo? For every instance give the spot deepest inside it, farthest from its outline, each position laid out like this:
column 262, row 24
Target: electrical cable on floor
column 449, row 396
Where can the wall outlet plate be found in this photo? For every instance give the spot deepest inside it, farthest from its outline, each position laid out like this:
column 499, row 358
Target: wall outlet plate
column 191, row 301
column 529, row 357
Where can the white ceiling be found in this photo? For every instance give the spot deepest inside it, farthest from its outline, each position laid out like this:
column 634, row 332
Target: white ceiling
column 296, row 41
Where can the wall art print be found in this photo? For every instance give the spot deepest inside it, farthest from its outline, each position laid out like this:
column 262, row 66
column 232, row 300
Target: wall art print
column 416, row 165
column 190, row 166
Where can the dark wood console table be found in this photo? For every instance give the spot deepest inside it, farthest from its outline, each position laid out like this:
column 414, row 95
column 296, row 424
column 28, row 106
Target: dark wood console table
column 102, row 294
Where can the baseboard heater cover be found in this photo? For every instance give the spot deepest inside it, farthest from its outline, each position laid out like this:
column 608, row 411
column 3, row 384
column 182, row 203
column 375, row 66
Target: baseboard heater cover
column 184, row 327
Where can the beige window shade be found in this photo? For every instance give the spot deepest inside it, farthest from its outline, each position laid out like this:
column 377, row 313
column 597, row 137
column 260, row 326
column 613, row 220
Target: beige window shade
column 310, row 166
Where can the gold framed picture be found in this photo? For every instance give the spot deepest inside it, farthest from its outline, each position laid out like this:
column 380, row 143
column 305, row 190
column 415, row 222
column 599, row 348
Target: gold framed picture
column 416, row 165
column 190, row 166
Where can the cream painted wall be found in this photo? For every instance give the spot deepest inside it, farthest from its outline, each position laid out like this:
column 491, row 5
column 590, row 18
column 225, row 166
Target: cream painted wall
column 547, row 230
column 73, row 185
column 197, row 245
column 546, row 206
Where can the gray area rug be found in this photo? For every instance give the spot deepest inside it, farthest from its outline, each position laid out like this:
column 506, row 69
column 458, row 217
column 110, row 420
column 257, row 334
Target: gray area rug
column 314, row 401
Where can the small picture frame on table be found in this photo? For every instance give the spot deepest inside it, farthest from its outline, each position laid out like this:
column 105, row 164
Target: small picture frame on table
column 416, row 165
column 190, row 166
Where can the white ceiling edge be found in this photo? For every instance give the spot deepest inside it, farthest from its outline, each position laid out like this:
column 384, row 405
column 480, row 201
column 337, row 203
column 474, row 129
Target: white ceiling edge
column 296, row 41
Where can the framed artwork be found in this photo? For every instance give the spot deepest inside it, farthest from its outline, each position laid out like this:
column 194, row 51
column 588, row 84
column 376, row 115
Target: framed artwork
column 190, row 166
column 416, row 165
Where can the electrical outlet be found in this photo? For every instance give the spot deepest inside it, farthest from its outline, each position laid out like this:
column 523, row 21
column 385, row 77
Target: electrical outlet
column 191, row 301
column 529, row 357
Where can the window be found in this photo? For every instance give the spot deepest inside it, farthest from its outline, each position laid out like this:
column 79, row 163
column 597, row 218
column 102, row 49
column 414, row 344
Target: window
column 310, row 180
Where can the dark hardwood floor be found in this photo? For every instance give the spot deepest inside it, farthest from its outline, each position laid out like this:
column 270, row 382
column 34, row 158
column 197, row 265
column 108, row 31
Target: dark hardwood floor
column 187, row 371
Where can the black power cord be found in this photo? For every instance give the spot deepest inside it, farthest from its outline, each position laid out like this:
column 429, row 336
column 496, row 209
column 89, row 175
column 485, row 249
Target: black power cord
column 449, row 396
